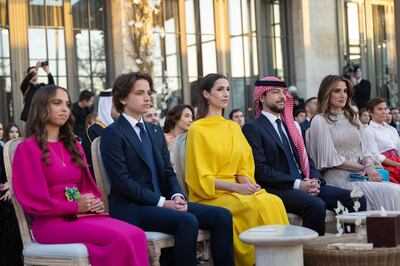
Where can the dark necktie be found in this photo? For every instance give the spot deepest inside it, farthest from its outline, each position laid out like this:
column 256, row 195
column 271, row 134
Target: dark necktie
column 148, row 152
column 294, row 171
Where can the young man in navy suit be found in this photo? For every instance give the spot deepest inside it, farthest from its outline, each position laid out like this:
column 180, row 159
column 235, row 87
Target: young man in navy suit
column 144, row 188
column 282, row 164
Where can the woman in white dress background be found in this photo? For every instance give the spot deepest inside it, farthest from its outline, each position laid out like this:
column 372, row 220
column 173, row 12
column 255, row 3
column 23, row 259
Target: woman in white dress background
column 382, row 140
column 338, row 150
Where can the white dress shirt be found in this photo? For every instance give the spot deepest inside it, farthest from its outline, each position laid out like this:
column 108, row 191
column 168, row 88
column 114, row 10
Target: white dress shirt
column 272, row 118
column 380, row 138
column 133, row 123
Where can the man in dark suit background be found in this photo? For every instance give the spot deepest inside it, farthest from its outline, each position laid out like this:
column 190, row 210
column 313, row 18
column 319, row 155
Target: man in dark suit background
column 362, row 88
column 282, row 164
column 144, row 188
column 311, row 107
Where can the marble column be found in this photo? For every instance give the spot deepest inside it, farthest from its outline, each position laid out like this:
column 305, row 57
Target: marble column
column 315, row 43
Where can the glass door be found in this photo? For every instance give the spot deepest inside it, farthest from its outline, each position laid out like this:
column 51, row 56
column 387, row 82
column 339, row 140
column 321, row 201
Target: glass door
column 385, row 52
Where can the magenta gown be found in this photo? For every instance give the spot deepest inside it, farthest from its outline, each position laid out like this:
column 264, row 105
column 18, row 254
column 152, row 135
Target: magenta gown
column 40, row 189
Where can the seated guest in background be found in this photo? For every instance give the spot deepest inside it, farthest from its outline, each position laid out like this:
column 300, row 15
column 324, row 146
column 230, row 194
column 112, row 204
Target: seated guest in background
column 151, row 116
column 30, row 85
column 382, row 140
column 237, row 116
column 81, row 109
column 220, row 168
column 395, row 118
column 52, row 183
column 389, row 118
column 177, row 121
column 11, row 131
column 338, row 149
column 300, row 116
column 93, row 129
column 104, row 107
column 364, row 117
column 310, row 106
column 144, row 188
column 90, row 119
column 10, row 238
column 282, row 164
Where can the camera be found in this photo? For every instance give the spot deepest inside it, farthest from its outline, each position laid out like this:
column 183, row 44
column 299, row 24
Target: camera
column 44, row 63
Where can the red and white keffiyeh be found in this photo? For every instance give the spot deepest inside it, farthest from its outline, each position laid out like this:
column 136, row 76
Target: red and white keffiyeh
column 267, row 84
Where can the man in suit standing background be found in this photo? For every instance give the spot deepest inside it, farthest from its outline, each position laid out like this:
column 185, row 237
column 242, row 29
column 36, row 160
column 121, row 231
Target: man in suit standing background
column 282, row 164
column 362, row 88
column 311, row 107
column 144, row 188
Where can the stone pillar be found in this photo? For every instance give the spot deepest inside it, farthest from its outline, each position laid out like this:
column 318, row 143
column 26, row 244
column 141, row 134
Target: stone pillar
column 315, row 43
column 123, row 55
column 18, row 52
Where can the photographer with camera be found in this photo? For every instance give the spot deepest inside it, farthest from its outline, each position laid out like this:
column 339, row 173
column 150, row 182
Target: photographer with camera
column 30, row 85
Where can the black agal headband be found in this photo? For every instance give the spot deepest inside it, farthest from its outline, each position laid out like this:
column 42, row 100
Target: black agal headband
column 272, row 83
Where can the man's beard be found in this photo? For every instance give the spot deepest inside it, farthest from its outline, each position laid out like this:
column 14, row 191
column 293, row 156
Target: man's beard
column 274, row 108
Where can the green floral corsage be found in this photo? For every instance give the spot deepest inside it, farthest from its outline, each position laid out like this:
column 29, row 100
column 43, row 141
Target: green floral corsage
column 72, row 193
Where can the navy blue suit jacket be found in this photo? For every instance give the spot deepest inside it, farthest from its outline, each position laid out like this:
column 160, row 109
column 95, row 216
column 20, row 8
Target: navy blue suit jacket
column 129, row 171
column 271, row 160
column 304, row 126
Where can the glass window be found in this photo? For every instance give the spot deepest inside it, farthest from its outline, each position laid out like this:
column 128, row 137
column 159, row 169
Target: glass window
column 6, row 112
column 166, row 56
column 90, row 54
column 47, row 38
column 277, row 50
column 200, row 38
column 353, row 33
column 243, row 51
column 384, row 45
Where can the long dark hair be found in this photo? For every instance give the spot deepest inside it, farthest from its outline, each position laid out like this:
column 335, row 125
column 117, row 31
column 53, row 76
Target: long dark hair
column 324, row 91
column 206, row 84
column 7, row 129
column 39, row 114
column 174, row 115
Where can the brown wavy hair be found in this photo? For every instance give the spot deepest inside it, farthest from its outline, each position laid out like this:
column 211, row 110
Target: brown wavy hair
column 324, row 91
column 124, row 84
column 39, row 114
column 206, row 84
column 174, row 115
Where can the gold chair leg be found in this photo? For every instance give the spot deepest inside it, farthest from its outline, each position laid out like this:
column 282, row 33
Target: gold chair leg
column 154, row 254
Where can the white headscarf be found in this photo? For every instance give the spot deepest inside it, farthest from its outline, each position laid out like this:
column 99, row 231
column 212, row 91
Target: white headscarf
column 104, row 107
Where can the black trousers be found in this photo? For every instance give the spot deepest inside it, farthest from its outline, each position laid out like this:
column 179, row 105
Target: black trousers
column 185, row 225
column 313, row 208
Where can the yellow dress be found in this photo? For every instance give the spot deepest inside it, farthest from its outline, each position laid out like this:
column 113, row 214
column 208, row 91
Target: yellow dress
column 217, row 148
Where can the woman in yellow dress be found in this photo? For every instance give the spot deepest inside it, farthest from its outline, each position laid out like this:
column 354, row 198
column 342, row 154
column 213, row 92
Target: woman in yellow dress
column 220, row 168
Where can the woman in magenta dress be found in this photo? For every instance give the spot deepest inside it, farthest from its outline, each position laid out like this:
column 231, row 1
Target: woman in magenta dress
column 52, row 183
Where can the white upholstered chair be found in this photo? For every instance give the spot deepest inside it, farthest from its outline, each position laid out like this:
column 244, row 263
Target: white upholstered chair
column 33, row 252
column 155, row 240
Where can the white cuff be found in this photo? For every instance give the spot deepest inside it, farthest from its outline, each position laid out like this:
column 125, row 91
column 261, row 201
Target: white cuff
column 296, row 184
column 177, row 194
column 161, row 202
column 380, row 157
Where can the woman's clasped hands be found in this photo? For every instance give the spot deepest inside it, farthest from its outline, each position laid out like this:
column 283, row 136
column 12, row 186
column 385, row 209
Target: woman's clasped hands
column 245, row 187
column 89, row 203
